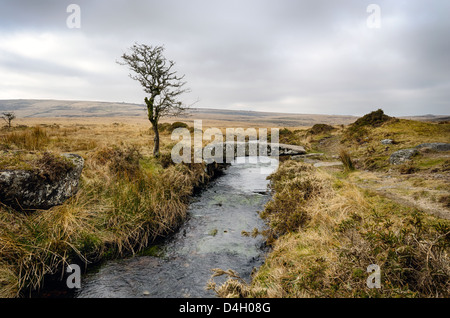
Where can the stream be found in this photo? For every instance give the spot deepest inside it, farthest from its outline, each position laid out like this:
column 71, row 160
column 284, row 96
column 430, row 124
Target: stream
column 210, row 238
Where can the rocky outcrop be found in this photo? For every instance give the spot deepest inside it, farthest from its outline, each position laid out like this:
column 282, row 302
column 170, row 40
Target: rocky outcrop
column 436, row 146
column 402, row 156
column 41, row 188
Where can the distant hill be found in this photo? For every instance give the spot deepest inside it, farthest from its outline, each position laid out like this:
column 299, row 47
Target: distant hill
column 430, row 118
column 33, row 108
column 64, row 108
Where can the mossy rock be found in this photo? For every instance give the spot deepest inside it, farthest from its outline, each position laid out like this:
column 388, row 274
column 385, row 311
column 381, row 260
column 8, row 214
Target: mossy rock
column 51, row 181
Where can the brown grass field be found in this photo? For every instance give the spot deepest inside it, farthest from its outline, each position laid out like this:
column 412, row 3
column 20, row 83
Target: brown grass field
column 326, row 225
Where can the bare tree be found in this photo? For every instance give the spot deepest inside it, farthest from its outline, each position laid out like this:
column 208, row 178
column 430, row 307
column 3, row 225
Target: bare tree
column 154, row 72
column 8, row 117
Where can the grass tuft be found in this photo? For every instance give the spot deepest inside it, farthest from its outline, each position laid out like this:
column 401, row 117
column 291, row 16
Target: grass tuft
column 35, row 138
column 346, row 159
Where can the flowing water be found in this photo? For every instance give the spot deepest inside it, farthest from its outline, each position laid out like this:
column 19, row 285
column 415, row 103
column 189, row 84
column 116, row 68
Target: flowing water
column 211, row 238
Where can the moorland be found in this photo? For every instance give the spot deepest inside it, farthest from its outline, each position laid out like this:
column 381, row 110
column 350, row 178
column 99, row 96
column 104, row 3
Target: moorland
column 326, row 223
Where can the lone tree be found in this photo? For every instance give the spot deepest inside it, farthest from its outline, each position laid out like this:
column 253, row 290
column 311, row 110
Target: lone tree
column 154, row 72
column 8, row 117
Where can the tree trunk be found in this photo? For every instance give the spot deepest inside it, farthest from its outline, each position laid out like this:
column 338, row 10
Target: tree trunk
column 156, row 140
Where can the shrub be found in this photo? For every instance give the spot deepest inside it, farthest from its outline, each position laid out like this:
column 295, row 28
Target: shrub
column 171, row 127
column 373, row 119
column 358, row 131
column 287, row 136
column 52, row 166
column 121, row 162
column 178, row 124
column 320, row 129
column 165, row 159
column 294, row 187
column 164, row 127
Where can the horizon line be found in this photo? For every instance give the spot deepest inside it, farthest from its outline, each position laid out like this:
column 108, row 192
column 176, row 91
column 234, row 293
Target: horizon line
column 208, row 108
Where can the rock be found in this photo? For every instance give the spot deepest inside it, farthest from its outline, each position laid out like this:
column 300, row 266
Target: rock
column 233, row 149
column 33, row 189
column 401, row 156
column 285, row 149
column 437, row 146
column 387, row 141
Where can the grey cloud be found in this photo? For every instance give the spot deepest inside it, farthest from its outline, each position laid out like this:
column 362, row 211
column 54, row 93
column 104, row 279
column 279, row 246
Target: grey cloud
column 260, row 53
column 35, row 67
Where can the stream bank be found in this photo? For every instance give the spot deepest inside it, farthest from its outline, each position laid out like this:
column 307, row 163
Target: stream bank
column 212, row 237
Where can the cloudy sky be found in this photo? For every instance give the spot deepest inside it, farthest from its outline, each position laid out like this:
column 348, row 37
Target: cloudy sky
column 315, row 56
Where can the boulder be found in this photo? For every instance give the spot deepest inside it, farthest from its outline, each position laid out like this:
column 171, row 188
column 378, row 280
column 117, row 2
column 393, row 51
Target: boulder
column 285, row 149
column 437, row 146
column 401, row 156
column 387, row 141
column 38, row 189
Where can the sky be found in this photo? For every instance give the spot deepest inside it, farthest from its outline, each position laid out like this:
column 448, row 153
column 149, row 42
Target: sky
column 340, row 57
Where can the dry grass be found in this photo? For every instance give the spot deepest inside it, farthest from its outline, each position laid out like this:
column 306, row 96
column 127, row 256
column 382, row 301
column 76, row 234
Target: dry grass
column 324, row 230
column 346, row 159
column 126, row 199
column 364, row 143
column 421, row 182
column 35, row 138
column 343, row 231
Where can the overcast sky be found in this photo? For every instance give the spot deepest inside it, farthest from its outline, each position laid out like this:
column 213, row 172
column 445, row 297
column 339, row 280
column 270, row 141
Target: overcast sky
column 316, row 57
